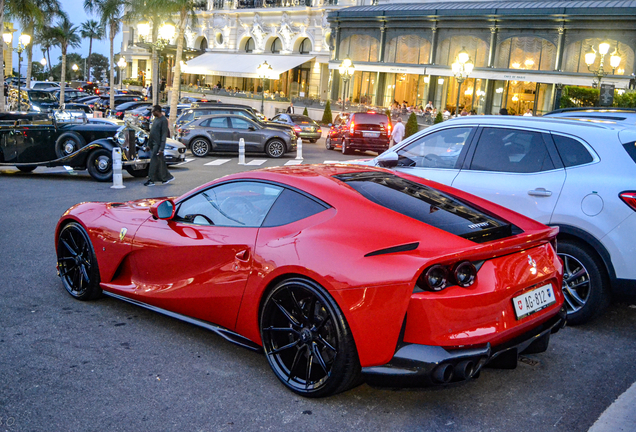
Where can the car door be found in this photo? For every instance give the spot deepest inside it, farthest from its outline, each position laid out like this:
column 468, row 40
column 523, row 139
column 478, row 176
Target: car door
column 250, row 132
column 221, row 134
column 436, row 156
column 515, row 168
column 198, row 263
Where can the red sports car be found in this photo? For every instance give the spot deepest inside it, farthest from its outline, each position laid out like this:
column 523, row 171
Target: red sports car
column 336, row 272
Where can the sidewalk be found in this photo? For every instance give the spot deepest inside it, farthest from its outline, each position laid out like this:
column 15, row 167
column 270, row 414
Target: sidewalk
column 619, row 416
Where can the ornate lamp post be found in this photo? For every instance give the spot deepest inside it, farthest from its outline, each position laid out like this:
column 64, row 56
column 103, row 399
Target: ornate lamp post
column 600, row 72
column 23, row 41
column 122, row 65
column 264, row 71
column 462, row 67
column 346, row 69
column 166, row 33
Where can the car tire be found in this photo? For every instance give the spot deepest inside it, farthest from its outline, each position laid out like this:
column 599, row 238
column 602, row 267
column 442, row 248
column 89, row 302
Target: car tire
column 585, row 282
column 137, row 172
column 200, row 147
column 538, row 346
column 26, row 168
column 307, row 340
column 76, row 262
column 345, row 147
column 328, row 145
column 275, row 148
column 68, row 143
column 100, row 165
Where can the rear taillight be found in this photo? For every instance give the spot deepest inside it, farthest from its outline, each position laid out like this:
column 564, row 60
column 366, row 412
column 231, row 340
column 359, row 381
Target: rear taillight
column 297, row 129
column 352, row 128
column 464, row 274
column 629, row 198
column 435, row 278
column 438, row 277
column 119, row 113
column 388, row 129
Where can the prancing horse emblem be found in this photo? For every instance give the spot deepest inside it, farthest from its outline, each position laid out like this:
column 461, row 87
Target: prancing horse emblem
column 122, row 234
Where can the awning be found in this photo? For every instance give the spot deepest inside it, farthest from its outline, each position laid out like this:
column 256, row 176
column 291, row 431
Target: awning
column 242, row 65
column 373, row 67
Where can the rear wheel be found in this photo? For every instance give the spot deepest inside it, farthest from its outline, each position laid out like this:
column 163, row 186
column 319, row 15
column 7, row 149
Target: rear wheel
column 275, row 148
column 307, row 341
column 100, row 165
column 328, row 145
column 76, row 262
column 26, row 168
column 143, row 172
column 68, row 143
column 200, row 147
column 313, row 140
column 585, row 282
column 345, row 147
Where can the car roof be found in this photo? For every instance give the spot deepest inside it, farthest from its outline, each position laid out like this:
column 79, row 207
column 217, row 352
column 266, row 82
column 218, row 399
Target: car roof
column 561, row 124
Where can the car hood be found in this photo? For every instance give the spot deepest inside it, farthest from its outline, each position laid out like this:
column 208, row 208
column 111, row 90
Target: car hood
column 174, row 143
column 140, row 204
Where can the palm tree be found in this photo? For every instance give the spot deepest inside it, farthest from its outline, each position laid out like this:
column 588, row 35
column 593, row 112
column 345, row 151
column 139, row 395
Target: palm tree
column 110, row 13
column 91, row 29
column 46, row 40
column 66, row 35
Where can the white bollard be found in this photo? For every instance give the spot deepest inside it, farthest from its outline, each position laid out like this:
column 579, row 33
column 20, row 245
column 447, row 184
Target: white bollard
column 118, row 181
column 241, row 152
column 299, row 149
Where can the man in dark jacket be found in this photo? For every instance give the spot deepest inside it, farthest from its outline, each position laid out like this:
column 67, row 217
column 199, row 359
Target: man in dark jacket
column 158, row 171
column 290, row 108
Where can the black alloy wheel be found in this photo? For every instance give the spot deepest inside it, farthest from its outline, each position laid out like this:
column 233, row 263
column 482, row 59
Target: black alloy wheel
column 76, row 263
column 307, row 341
column 200, row 147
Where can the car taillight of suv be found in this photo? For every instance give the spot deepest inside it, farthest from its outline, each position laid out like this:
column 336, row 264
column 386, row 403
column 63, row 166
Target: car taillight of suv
column 629, row 198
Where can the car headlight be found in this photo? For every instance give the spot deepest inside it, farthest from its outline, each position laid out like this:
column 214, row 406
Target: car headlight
column 170, row 147
column 141, row 137
column 120, row 138
column 36, row 108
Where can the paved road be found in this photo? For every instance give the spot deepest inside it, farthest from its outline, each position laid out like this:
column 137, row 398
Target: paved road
column 110, row 366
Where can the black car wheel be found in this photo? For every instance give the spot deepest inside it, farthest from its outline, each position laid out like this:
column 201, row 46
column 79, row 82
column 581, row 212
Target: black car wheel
column 328, row 143
column 26, row 168
column 100, row 165
column 312, row 140
column 275, row 148
column 137, row 172
column 307, row 341
column 68, row 143
column 585, row 283
column 200, row 147
column 76, row 262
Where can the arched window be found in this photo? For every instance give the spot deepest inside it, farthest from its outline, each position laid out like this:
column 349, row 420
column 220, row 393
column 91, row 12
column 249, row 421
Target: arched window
column 249, row 45
column 277, row 46
column 528, row 53
column 360, row 48
column 408, row 49
column 204, row 44
column 449, row 48
column 574, row 56
column 305, row 46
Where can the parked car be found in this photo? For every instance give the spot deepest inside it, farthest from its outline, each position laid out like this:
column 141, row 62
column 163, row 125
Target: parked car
column 87, row 99
column 103, row 103
column 195, row 113
column 334, row 136
column 121, row 109
column 258, row 258
column 70, row 95
column 91, row 88
column 363, row 131
column 43, row 85
column 305, row 127
column 222, row 133
column 576, row 175
column 28, row 141
column 143, row 117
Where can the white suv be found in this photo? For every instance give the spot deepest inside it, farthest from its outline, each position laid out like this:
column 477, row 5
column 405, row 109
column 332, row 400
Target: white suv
column 577, row 175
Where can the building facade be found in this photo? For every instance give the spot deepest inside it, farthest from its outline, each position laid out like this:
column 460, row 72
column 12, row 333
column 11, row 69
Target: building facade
column 522, row 51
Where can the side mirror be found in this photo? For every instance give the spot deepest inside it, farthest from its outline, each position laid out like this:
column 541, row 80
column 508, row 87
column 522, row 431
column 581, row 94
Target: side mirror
column 163, row 210
column 387, row 160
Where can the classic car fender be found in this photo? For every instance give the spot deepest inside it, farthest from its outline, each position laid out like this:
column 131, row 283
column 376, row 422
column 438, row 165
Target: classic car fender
column 75, row 160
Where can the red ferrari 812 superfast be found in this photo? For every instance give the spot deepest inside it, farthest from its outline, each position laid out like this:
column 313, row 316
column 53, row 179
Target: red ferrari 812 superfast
column 338, row 273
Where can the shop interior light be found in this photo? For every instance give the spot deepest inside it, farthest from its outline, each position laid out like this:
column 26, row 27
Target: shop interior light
column 515, row 98
column 529, row 63
column 516, row 65
column 427, row 79
column 440, row 81
column 499, row 90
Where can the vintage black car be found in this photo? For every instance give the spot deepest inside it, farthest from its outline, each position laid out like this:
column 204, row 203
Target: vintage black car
column 65, row 138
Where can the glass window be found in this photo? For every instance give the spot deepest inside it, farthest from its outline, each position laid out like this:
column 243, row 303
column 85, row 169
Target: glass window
column 290, row 207
column 526, row 53
column 277, row 46
column 305, row 46
column 359, row 48
column 239, row 123
column 412, row 49
column 239, row 204
column 509, row 150
column 218, row 123
column 249, row 45
column 574, row 56
column 572, row 152
column 449, row 48
column 436, row 150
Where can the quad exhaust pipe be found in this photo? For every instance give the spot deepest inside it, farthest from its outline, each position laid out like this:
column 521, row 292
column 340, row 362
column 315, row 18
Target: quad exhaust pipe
column 443, row 373
column 464, row 370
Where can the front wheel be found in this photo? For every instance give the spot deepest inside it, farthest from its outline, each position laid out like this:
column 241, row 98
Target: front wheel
column 26, row 168
column 100, row 165
column 275, row 148
column 585, row 282
column 307, row 341
column 76, row 262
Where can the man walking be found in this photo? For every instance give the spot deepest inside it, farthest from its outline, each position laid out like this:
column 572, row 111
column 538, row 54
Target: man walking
column 158, row 171
column 398, row 132
column 290, row 108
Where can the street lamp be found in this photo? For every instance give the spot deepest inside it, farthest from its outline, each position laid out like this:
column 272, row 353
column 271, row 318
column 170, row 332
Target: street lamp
column 23, row 41
column 264, row 71
column 121, row 64
column 603, row 49
column 165, row 34
column 462, row 67
column 346, row 69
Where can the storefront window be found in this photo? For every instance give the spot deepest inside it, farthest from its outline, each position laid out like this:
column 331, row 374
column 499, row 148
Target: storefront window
column 574, row 56
column 360, row 48
column 364, row 88
column 405, row 88
column 449, row 48
column 520, row 96
column 528, row 53
column 472, row 95
column 411, row 49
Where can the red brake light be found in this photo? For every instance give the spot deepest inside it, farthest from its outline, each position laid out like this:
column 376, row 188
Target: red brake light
column 119, row 113
column 352, row 127
column 388, row 128
column 629, row 198
column 297, row 129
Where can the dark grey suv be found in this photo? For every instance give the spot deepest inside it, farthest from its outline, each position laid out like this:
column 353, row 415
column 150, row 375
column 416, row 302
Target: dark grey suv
column 222, row 133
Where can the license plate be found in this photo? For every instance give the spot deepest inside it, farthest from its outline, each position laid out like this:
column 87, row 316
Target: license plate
column 370, row 134
column 533, row 301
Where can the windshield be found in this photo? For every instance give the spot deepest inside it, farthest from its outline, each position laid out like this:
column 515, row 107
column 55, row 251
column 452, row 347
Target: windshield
column 42, row 96
column 301, row 119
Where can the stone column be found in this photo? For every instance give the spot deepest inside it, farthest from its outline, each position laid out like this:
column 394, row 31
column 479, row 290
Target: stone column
column 559, row 55
column 432, row 84
column 382, row 42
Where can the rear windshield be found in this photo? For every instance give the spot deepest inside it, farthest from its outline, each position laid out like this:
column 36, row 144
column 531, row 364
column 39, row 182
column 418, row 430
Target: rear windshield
column 429, row 205
column 301, row 119
column 370, row 119
column 630, row 148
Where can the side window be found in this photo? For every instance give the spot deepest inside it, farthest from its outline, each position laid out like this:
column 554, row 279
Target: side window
column 572, row 152
column 238, row 204
column 239, row 123
column 290, row 207
column 188, row 116
column 205, row 123
column 219, row 123
column 436, row 150
column 510, row 150
column 276, row 118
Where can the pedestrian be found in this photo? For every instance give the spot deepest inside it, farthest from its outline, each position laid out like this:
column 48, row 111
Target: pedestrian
column 503, row 111
column 290, row 108
column 429, row 105
column 528, row 113
column 398, row 132
column 158, row 171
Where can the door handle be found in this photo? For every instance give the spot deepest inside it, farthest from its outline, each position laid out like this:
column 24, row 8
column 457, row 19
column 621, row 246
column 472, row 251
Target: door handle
column 243, row 256
column 541, row 192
